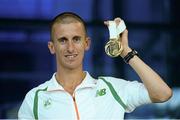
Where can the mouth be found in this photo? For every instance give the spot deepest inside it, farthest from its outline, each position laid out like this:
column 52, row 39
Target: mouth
column 71, row 56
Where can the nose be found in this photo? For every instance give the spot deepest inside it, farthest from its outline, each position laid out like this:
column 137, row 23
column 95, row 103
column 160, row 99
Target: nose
column 70, row 46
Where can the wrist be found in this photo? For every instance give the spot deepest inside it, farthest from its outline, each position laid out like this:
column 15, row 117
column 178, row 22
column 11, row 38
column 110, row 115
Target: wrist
column 125, row 52
column 130, row 55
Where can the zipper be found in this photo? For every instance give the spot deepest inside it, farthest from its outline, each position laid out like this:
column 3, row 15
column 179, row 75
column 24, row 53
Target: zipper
column 76, row 108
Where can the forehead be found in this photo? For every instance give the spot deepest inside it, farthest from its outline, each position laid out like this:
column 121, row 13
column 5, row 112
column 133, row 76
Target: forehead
column 68, row 28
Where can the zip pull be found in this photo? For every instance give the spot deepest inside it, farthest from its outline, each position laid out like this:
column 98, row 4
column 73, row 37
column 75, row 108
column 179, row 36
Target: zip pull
column 76, row 108
column 74, row 99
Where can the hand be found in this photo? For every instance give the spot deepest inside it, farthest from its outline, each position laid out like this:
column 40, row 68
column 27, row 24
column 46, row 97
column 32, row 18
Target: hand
column 123, row 38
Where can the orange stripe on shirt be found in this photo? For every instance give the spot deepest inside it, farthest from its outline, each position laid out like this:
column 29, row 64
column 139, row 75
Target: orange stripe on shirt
column 76, row 108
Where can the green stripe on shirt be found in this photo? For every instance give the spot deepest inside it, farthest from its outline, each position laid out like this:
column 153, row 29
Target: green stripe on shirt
column 35, row 106
column 114, row 93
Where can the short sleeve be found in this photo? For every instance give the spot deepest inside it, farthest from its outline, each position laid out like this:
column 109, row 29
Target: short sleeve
column 26, row 108
column 136, row 95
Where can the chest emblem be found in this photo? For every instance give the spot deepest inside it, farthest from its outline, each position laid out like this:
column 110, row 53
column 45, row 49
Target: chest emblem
column 47, row 103
column 100, row 92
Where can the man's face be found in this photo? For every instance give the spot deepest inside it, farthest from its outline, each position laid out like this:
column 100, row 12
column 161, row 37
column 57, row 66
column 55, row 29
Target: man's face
column 69, row 44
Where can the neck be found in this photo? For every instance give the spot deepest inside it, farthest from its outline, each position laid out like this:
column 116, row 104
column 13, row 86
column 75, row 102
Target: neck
column 70, row 79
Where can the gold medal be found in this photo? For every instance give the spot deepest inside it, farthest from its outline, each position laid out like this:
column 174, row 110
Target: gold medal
column 113, row 47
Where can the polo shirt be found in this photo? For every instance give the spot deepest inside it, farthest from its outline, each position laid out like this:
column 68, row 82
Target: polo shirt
column 105, row 98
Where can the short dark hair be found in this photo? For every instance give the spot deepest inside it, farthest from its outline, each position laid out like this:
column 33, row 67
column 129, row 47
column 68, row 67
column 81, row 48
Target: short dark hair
column 66, row 18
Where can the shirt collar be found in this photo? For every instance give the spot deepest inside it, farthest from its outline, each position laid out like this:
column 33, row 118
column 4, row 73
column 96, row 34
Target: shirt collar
column 88, row 82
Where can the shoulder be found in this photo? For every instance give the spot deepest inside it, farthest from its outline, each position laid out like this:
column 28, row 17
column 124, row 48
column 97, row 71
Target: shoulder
column 41, row 87
column 114, row 81
column 121, row 84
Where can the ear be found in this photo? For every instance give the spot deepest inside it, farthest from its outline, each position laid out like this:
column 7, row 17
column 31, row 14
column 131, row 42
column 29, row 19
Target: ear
column 88, row 43
column 51, row 47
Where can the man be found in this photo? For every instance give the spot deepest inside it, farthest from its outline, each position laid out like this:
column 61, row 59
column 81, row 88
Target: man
column 72, row 93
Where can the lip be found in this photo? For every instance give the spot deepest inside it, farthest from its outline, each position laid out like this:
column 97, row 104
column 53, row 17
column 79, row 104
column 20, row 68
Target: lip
column 70, row 56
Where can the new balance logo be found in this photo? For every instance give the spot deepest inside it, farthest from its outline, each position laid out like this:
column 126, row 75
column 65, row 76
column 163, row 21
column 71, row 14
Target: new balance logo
column 100, row 92
column 47, row 103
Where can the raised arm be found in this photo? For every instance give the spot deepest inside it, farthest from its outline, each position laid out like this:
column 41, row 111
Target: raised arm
column 158, row 90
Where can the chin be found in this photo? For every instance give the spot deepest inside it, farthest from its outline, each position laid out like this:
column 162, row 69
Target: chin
column 73, row 66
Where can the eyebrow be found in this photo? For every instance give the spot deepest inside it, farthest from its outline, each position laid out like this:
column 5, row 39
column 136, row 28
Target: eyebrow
column 77, row 36
column 61, row 38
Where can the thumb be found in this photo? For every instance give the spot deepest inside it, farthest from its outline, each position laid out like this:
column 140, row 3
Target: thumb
column 124, row 37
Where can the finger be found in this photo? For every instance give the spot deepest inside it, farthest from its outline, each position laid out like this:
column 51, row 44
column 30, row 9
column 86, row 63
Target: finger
column 124, row 36
column 124, row 33
column 106, row 23
column 117, row 20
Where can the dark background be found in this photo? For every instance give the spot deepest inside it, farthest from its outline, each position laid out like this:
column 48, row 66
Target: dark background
column 25, row 60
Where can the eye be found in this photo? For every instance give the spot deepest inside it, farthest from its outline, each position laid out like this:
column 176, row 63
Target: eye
column 62, row 40
column 77, row 39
